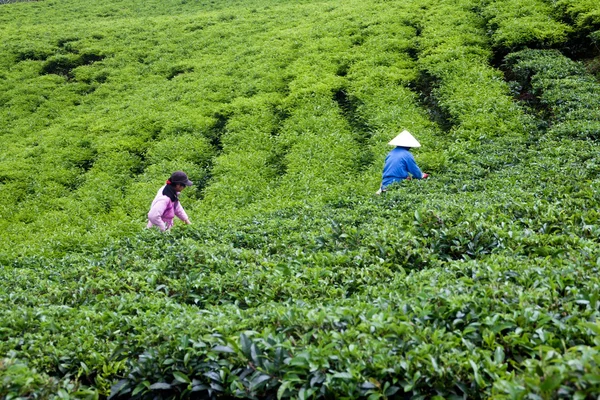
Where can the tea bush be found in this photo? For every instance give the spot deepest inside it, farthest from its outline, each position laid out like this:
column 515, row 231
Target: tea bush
column 454, row 57
column 584, row 14
column 302, row 289
column 562, row 87
column 516, row 24
column 19, row 381
column 294, row 281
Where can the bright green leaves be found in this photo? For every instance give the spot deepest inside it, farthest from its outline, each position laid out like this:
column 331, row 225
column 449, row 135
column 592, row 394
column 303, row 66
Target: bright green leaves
column 517, row 23
column 584, row 13
column 560, row 88
column 19, row 380
column 574, row 373
column 295, row 282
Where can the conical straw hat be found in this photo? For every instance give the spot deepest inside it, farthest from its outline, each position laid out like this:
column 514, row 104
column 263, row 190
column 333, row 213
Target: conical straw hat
column 404, row 139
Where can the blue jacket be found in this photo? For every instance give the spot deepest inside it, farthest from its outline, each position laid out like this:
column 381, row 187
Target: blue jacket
column 399, row 165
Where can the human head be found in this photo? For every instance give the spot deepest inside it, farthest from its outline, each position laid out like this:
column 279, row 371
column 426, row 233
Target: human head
column 179, row 181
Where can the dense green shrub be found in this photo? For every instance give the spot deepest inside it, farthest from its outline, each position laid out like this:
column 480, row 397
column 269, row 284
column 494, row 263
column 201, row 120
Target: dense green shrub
column 302, row 288
column 585, row 14
column 562, row 87
column 515, row 24
column 18, row 381
column 295, row 281
column 488, row 128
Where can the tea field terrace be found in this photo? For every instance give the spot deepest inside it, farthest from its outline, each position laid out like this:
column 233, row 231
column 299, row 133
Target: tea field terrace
column 295, row 280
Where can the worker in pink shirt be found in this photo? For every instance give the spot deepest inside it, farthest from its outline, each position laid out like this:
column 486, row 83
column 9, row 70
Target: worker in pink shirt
column 166, row 203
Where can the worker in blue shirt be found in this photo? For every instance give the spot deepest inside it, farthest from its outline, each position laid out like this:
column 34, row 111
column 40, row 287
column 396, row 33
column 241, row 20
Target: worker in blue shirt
column 400, row 163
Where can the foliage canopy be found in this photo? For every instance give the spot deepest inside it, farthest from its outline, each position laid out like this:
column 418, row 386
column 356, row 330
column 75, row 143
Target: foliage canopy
column 295, row 281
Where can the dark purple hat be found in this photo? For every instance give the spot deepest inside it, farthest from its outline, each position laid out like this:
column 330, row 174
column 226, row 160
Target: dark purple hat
column 181, row 178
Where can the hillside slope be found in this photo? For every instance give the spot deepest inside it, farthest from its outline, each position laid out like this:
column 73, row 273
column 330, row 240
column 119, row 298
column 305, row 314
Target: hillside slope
column 295, row 280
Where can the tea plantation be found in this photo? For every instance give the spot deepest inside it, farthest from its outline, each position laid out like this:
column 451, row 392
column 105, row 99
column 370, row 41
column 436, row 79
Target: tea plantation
column 295, row 280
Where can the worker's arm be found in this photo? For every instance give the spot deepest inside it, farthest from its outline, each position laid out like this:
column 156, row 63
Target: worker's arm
column 413, row 169
column 156, row 212
column 181, row 214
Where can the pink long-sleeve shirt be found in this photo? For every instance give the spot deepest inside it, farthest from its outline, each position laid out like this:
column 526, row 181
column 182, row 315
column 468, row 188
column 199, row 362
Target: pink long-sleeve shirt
column 163, row 210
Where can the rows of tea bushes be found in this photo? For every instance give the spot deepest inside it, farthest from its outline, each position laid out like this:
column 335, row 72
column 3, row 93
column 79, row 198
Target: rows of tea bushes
column 86, row 139
column 379, row 95
column 130, row 114
column 113, row 119
column 326, row 303
column 295, row 281
column 569, row 94
column 515, row 24
column 570, row 26
column 357, row 90
column 488, row 129
column 584, row 15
